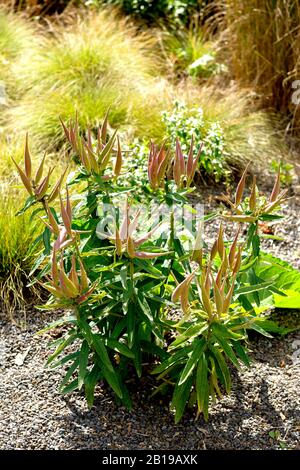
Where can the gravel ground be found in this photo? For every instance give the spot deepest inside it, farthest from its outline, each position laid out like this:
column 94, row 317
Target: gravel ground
column 264, row 400
column 33, row 415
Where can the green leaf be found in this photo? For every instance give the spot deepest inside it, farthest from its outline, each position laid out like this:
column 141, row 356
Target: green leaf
column 292, row 299
column 70, row 388
column 241, row 352
column 89, row 384
column 222, row 330
column 227, row 349
column 180, row 398
column 190, row 333
column 202, row 388
column 102, row 353
column 119, row 347
column 28, row 203
column 223, row 367
column 68, row 375
column 83, row 363
column 172, row 359
column 113, row 380
column 63, row 344
column 199, row 346
column 260, row 330
column 254, row 288
column 47, row 240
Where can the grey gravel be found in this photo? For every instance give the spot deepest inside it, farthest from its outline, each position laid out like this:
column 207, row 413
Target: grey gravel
column 265, row 398
column 33, row 415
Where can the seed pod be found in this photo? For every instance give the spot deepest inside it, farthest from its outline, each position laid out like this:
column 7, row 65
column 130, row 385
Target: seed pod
column 218, row 299
column 214, row 250
column 65, row 218
column 40, row 170
column 206, row 301
column 42, row 189
column 252, row 199
column 228, row 297
column 24, row 178
column 56, row 189
column 130, row 247
column 118, row 164
column 118, row 243
column 83, row 277
column 220, row 242
column 232, row 250
column 27, row 159
column 238, row 261
column 52, row 220
column 240, row 187
column 73, row 276
column 54, row 270
column 276, row 187
column 184, row 285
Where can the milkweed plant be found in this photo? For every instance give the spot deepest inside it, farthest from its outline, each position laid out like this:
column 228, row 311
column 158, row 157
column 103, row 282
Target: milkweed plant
column 135, row 278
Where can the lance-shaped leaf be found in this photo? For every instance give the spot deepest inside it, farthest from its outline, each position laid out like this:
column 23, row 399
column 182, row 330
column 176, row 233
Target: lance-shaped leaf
column 147, row 255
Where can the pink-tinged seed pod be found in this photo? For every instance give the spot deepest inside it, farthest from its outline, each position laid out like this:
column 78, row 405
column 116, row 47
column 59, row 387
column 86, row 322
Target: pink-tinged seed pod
column 54, row 269
column 85, row 296
column 228, row 297
column 220, row 242
column 130, row 247
column 26, row 182
column 40, row 171
column 83, row 277
column 214, row 250
column 238, row 261
column 252, row 199
column 42, row 189
column 53, row 224
column 118, row 243
column 27, row 159
column 118, row 164
column 218, row 299
column 276, row 187
column 232, row 250
column 73, row 276
column 65, row 217
column 241, row 186
column 206, row 301
column 56, row 189
column 184, row 285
